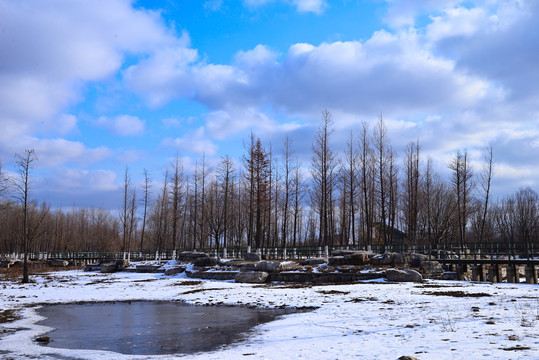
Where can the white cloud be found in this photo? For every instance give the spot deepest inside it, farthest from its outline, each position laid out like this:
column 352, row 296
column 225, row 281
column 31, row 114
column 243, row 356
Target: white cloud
column 314, row 6
column 124, row 125
column 55, row 152
column 51, row 48
column 302, row 6
column 165, row 75
column 213, row 5
column 195, row 141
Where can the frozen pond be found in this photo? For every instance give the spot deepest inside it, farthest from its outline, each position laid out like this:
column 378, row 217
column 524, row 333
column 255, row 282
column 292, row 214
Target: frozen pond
column 144, row 328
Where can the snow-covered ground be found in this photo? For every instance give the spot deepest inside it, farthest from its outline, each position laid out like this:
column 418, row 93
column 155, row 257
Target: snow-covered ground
column 379, row 320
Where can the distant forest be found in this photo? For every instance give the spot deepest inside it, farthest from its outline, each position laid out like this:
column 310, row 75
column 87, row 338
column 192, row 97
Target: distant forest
column 366, row 195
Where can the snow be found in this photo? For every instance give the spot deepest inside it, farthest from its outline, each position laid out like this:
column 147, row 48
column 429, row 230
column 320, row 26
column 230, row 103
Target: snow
column 367, row 320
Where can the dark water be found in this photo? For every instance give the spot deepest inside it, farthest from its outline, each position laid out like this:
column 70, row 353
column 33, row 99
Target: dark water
column 144, row 328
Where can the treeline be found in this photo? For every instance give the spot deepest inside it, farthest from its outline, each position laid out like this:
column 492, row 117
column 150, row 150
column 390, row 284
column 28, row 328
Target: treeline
column 365, row 195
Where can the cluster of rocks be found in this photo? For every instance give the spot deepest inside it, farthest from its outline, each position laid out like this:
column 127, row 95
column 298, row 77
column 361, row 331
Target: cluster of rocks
column 342, row 266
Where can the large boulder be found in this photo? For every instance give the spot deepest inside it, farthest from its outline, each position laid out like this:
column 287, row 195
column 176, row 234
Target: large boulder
column 268, row 266
column 314, row 261
column 383, row 259
column 191, row 255
column 357, row 258
column 58, row 262
column 205, row 261
column 249, row 267
column 174, row 270
column 252, row 257
column 108, row 268
column 432, row 269
column 336, row 261
column 403, row 275
column 416, row 259
column 256, row 277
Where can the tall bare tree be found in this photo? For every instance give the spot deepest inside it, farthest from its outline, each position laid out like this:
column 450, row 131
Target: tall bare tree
column 411, row 190
column 323, row 171
column 485, row 179
column 146, row 198
column 366, row 170
column 287, row 183
column 176, row 192
column 462, row 180
column 226, row 175
column 25, row 163
column 381, row 143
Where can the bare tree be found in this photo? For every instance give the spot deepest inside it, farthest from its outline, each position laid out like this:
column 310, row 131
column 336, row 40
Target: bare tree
column 366, row 169
column 24, row 166
column 462, row 181
column 350, row 171
column 226, row 174
column 176, row 197
column 382, row 163
column 128, row 211
column 411, row 190
column 485, row 179
column 298, row 193
column 146, row 198
column 287, row 182
column 323, row 165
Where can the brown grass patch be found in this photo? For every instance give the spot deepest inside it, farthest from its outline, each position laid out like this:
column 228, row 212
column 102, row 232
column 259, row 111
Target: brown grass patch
column 333, row 292
column 455, row 294
column 200, row 290
column 187, row 283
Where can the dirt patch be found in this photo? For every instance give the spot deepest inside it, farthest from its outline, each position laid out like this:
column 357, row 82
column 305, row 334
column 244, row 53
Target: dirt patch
column 285, row 286
column 187, row 283
column 358, row 300
column 518, row 347
column 145, row 280
column 7, row 316
column 435, row 286
column 333, row 292
column 199, row 290
column 455, row 293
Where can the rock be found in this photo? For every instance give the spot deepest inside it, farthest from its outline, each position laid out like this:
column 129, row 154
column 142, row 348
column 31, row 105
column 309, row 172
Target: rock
column 92, row 267
column 343, row 252
column 256, row 277
column 268, row 266
column 248, row 267
column 432, row 269
column 383, row 259
column 108, row 268
column 314, row 261
column 147, row 268
column 212, row 275
column 58, row 262
column 346, row 268
column 415, row 259
column 357, row 258
column 191, row 255
column 175, row 270
column 122, row 264
column 252, row 257
column 6, row 263
column 403, row 275
column 406, row 357
column 290, row 266
column 205, row 261
column 336, row 261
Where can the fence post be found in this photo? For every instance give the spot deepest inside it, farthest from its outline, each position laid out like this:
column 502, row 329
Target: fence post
column 326, row 251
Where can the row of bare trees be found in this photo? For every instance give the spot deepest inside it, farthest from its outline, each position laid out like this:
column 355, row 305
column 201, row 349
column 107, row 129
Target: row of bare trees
column 364, row 195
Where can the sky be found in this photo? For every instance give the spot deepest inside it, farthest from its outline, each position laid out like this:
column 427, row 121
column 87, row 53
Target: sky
column 98, row 86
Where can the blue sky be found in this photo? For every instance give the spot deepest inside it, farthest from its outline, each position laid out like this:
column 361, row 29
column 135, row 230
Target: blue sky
column 95, row 86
